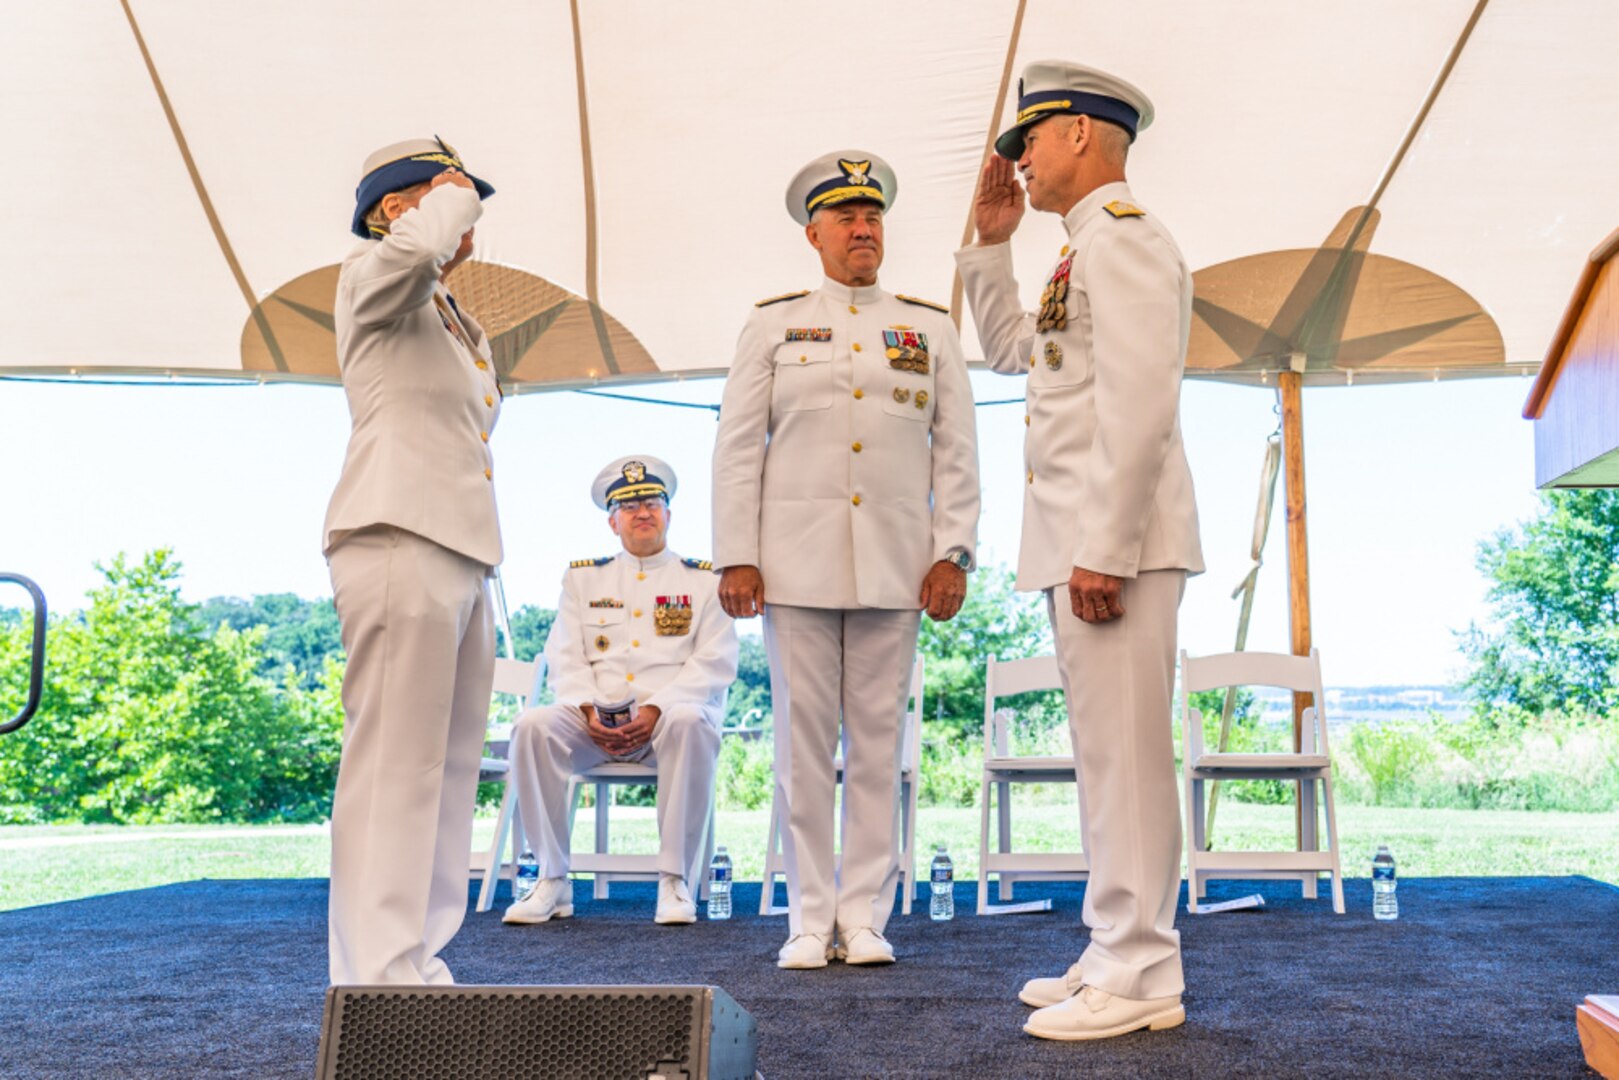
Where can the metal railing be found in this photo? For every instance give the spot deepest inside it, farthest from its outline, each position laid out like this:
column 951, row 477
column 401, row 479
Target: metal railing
column 36, row 667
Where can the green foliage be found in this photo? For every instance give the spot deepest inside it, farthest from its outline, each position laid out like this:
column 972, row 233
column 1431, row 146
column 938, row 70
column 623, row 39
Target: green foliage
column 299, row 635
column 1247, row 736
column 746, row 776
column 146, row 717
column 530, row 625
column 749, row 702
column 1555, row 590
column 1389, row 756
column 952, row 766
column 994, row 620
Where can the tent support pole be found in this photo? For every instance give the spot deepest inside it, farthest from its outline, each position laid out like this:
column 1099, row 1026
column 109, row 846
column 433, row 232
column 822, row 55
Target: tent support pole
column 1289, row 390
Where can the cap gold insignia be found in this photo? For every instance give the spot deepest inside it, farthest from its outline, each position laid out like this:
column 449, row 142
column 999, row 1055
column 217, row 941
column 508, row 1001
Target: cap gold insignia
column 634, row 471
column 856, row 171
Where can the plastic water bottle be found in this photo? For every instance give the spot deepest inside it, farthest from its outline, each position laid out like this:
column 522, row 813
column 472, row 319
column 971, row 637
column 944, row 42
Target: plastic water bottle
column 1384, row 903
column 527, row 876
column 942, row 876
column 719, row 885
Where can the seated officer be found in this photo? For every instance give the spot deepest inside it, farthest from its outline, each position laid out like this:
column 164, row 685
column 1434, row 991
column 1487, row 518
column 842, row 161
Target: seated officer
column 642, row 624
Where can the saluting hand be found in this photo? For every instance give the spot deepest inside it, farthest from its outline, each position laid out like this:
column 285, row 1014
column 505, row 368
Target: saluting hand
column 451, row 176
column 742, row 591
column 943, row 590
column 999, row 205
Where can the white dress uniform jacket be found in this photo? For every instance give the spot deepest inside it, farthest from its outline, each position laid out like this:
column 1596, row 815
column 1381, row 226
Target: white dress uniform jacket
column 421, row 389
column 1108, row 488
column 606, row 643
column 872, row 470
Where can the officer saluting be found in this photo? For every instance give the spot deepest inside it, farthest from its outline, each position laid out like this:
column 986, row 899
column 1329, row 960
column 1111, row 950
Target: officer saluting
column 1109, row 520
column 845, row 500
column 644, row 625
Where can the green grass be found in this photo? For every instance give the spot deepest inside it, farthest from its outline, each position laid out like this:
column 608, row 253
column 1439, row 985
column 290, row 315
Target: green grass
column 45, row 864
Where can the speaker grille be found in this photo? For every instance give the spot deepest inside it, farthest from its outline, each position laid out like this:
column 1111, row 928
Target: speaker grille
column 431, row 1036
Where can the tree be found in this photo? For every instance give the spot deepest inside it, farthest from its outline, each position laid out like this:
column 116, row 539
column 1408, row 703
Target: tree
column 994, row 620
column 146, row 717
column 1554, row 644
column 300, row 635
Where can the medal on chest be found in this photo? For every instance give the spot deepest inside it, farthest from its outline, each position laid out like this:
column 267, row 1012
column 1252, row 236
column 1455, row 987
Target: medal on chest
column 672, row 616
column 907, row 350
column 1054, row 298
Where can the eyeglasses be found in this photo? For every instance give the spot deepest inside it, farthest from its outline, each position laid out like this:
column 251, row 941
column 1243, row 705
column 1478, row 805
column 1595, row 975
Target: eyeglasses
column 634, row 506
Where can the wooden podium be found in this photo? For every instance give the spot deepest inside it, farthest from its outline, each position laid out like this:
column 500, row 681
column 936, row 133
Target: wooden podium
column 1598, row 1021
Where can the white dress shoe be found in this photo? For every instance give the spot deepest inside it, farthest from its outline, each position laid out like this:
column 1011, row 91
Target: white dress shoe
column 1097, row 1014
column 551, row 899
column 865, row 946
column 804, row 951
column 675, row 904
column 1054, row 991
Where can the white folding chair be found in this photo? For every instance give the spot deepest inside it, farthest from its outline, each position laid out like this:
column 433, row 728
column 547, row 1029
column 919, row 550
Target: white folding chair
column 1004, row 679
column 519, row 679
column 603, row 863
column 1311, row 765
column 910, row 781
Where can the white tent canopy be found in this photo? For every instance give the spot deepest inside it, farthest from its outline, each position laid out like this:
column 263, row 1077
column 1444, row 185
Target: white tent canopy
column 183, row 170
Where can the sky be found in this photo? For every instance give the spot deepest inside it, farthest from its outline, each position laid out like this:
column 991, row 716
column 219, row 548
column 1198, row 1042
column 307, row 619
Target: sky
column 1403, row 482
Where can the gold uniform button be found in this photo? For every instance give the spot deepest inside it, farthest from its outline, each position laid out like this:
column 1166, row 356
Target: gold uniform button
column 637, row 613
column 629, row 676
column 481, row 365
column 855, row 500
column 488, row 474
column 857, row 346
column 859, row 393
column 1025, row 419
column 489, row 400
column 641, row 576
column 803, row 359
column 1064, row 250
column 635, row 644
column 484, row 435
column 856, row 448
column 853, row 310
column 1031, row 476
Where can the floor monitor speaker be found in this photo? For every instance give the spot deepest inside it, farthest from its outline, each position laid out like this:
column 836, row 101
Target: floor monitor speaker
column 511, row 1032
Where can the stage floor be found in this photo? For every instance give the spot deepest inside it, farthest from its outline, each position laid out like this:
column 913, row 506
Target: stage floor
column 1479, row 977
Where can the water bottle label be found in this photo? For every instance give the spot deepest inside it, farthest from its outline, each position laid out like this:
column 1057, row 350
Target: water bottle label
column 941, row 875
column 722, row 873
column 1382, row 873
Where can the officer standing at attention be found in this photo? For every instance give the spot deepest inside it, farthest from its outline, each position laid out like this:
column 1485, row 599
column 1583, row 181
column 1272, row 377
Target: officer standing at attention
column 642, row 624
column 1109, row 519
column 411, row 537
column 845, row 500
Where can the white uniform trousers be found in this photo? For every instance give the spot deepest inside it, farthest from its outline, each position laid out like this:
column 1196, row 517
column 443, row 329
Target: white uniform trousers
column 826, row 663
column 1118, row 678
column 550, row 743
column 419, row 631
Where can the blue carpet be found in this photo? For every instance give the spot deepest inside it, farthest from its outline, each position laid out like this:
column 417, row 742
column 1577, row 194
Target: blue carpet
column 1478, row 978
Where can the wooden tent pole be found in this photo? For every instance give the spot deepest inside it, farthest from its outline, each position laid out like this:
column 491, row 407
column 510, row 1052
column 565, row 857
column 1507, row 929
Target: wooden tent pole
column 1289, row 390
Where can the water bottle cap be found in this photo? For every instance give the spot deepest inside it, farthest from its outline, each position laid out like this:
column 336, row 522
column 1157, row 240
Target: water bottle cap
column 720, row 850
column 939, row 848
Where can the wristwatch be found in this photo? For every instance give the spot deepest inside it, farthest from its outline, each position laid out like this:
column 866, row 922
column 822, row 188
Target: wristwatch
column 961, row 559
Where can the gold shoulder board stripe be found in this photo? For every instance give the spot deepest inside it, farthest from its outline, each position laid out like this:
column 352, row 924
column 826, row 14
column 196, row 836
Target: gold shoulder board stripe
column 698, row 564
column 577, row 563
column 783, row 296
column 1121, row 209
column 923, row 303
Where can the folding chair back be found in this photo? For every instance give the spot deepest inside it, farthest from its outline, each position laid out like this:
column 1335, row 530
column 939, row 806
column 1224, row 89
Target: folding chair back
column 1006, row 679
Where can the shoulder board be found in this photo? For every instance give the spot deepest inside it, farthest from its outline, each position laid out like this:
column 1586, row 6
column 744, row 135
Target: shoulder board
column 577, row 563
column 1121, row 209
column 783, row 296
column 698, row 564
column 921, row 302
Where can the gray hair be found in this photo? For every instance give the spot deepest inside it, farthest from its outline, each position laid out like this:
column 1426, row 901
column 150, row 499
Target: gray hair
column 377, row 221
